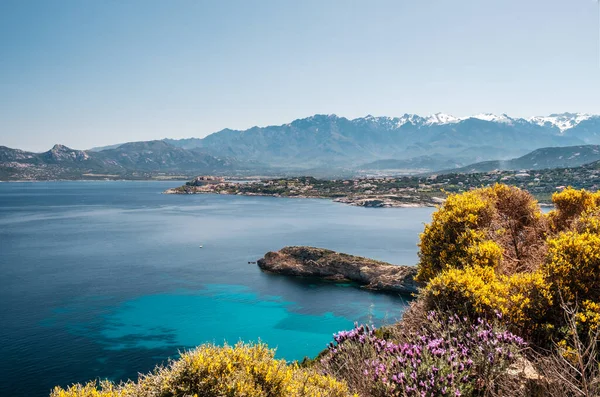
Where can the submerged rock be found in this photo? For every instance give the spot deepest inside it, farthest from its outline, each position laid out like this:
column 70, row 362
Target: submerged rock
column 331, row 265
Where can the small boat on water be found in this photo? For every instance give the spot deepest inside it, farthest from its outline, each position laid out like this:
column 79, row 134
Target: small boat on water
column 200, row 247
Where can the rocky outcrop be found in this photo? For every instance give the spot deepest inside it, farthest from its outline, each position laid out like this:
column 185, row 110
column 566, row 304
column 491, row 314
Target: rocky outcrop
column 389, row 201
column 331, row 265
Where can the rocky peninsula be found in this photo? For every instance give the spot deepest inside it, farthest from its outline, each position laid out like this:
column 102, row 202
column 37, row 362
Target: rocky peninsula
column 330, row 265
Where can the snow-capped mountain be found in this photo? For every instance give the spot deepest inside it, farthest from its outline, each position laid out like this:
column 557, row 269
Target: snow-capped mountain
column 441, row 118
column 563, row 121
column 503, row 118
column 330, row 141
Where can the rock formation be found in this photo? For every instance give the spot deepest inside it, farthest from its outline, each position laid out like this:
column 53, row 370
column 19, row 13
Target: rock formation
column 331, row 265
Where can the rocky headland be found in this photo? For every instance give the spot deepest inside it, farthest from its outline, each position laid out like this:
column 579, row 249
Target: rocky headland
column 330, row 265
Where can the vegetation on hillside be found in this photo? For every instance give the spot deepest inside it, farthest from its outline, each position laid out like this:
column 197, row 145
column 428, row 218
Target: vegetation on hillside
column 212, row 371
column 408, row 190
column 509, row 306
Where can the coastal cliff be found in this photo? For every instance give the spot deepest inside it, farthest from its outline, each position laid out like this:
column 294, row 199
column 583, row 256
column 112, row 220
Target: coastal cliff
column 331, row 265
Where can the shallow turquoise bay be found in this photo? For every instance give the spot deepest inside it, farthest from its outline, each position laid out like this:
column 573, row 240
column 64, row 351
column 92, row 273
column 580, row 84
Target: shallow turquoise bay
column 220, row 314
column 106, row 279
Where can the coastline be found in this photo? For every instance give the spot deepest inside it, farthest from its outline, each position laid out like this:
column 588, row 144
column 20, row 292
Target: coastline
column 367, row 202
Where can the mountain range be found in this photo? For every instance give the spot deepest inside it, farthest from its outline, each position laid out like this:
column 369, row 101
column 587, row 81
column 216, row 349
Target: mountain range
column 328, row 145
column 134, row 160
column 329, row 140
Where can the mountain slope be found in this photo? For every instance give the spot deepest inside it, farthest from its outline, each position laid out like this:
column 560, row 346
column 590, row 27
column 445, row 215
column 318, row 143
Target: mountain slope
column 544, row 158
column 329, row 140
column 328, row 143
column 135, row 160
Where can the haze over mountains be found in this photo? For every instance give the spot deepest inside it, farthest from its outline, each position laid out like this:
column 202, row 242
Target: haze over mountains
column 328, row 143
column 329, row 140
column 539, row 159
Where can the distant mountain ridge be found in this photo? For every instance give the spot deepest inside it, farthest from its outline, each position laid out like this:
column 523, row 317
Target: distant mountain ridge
column 329, row 140
column 134, row 160
column 544, row 158
column 322, row 144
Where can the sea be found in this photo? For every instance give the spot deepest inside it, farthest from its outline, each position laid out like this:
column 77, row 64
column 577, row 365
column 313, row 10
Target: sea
column 105, row 280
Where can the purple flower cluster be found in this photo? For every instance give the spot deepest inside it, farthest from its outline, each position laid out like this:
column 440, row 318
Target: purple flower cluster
column 450, row 356
column 361, row 334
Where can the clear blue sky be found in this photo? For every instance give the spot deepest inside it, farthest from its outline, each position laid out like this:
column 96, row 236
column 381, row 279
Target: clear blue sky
column 87, row 73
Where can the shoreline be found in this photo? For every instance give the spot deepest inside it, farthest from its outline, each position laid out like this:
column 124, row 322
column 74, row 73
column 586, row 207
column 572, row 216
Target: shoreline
column 354, row 202
column 93, row 180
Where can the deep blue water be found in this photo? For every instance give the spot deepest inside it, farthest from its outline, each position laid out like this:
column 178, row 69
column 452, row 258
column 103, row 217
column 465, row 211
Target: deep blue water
column 106, row 279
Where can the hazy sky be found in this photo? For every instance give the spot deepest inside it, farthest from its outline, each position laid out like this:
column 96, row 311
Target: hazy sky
column 88, row 73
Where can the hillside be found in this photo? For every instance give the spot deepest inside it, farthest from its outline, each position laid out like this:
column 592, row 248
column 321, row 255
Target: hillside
column 550, row 157
column 408, row 166
column 135, row 160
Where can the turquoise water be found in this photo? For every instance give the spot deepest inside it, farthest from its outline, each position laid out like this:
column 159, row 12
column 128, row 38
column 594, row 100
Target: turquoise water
column 106, row 279
column 247, row 316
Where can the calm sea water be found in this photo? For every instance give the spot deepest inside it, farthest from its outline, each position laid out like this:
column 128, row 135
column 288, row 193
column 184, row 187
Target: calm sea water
column 106, row 279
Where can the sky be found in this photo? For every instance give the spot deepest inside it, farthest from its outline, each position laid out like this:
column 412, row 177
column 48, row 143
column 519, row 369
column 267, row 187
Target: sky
column 98, row 72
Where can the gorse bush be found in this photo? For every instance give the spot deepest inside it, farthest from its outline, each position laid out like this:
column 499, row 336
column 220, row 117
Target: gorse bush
column 499, row 253
column 573, row 265
column 571, row 204
column 522, row 298
column 452, row 237
column 212, row 371
column 449, row 356
column 499, row 226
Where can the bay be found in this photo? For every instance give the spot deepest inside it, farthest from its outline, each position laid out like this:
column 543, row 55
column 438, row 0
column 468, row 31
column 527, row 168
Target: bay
column 106, row 279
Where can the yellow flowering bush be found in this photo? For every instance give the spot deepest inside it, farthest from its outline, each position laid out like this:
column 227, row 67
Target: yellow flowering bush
column 573, row 260
column 498, row 226
column 573, row 265
column 521, row 298
column 92, row 389
column 588, row 318
column 571, row 204
column 499, row 254
column 588, row 222
column 211, row 371
column 448, row 240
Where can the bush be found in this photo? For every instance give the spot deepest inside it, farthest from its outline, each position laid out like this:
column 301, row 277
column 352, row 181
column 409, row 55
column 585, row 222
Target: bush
column 212, row 371
column 522, row 298
column 573, row 266
column 448, row 356
column 573, row 367
column 570, row 204
column 499, row 226
column 512, row 262
column 454, row 228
